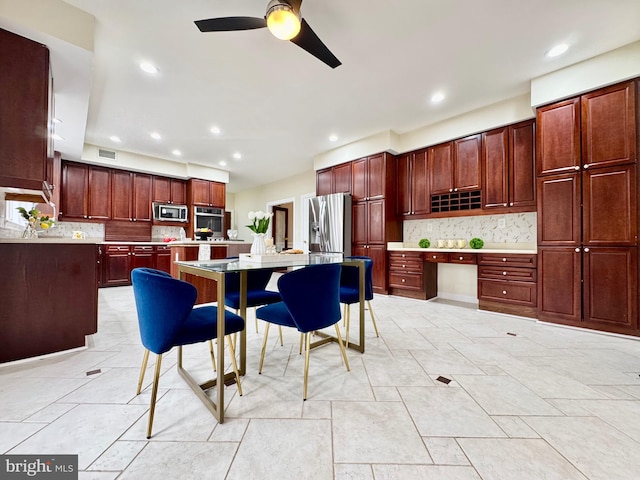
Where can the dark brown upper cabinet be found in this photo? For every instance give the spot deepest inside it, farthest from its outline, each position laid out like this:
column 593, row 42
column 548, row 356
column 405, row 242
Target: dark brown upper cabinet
column 205, row 193
column 412, row 187
column 335, row 179
column 508, row 171
column 455, row 166
column 25, row 111
column 169, row 190
column 86, row 192
column 131, row 196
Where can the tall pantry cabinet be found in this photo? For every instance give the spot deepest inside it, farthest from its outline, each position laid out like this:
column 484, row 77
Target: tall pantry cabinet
column 371, row 183
column 587, row 187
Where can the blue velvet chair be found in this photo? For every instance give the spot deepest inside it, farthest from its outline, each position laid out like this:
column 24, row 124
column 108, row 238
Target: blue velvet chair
column 167, row 318
column 257, row 293
column 350, row 290
column 310, row 301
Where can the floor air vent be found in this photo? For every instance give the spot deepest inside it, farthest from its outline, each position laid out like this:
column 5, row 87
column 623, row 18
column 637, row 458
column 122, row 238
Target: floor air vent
column 110, row 154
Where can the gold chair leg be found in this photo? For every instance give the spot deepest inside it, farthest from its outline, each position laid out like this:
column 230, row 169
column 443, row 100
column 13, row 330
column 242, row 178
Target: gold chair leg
column 373, row 319
column 232, row 353
column 213, row 355
column 347, row 324
column 145, row 359
column 307, row 342
column 264, row 346
column 280, row 333
column 301, row 337
column 342, row 349
column 154, row 394
column 344, row 314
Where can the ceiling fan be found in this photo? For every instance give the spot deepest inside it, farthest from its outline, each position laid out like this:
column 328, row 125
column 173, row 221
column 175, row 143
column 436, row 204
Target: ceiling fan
column 284, row 21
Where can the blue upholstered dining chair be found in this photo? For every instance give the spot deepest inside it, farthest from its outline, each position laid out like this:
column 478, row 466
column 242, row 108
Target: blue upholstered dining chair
column 167, row 318
column 310, row 301
column 350, row 290
column 257, row 293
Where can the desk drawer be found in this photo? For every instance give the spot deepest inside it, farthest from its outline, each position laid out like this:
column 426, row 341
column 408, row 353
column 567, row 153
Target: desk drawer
column 515, row 260
column 436, row 257
column 464, row 258
column 522, row 293
column 507, row 273
column 408, row 280
column 405, row 265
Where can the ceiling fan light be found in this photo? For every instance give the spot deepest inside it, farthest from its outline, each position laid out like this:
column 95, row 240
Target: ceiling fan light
column 282, row 21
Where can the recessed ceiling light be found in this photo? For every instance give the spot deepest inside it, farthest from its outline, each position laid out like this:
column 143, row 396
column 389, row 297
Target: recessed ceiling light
column 156, row 136
column 237, row 156
column 176, row 152
column 216, row 130
column 115, row 138
column 222, row 163
column 148, row 67
column 55, row 136
column 333, row 138
column 557, row 50
column 437, row 97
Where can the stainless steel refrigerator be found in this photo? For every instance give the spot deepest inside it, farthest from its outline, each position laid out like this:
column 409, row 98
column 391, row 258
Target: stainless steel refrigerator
column 330, row 223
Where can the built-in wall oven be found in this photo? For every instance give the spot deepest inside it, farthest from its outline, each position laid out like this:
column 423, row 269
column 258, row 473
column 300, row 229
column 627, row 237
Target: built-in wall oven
column 208, row 217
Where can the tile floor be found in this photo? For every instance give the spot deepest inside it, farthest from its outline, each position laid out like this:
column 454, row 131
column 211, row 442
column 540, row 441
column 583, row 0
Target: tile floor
column 545, row 403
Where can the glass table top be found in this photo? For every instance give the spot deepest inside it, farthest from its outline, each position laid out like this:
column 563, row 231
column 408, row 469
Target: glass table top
column 237, row 265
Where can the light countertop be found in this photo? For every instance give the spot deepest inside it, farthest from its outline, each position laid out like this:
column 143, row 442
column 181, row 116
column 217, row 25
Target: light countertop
column 524, row 248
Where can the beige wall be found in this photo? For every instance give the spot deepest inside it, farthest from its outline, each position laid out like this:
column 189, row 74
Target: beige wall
column 291, row 189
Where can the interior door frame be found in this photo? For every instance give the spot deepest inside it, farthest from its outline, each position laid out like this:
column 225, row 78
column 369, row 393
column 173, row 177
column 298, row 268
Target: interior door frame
column 275, row 209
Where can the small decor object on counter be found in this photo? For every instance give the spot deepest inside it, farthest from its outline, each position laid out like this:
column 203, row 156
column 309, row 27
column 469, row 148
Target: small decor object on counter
column 34, row 220
column 259, row 226
column 461, row 243
column 476, row 243
column 440, row 243
column 424, row 243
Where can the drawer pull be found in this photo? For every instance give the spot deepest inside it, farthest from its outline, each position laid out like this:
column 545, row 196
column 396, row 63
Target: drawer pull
column 504, row 259
column 435, row 256
column 461, row 258
column 504, row 292
column 403, row 255
column 504, row 273
column 404, row 266
column 403, row 280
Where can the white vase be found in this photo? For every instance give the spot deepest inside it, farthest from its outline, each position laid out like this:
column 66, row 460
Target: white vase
column 258, row 247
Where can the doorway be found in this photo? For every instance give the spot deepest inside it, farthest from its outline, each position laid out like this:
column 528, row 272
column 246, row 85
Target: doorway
column 280, row 227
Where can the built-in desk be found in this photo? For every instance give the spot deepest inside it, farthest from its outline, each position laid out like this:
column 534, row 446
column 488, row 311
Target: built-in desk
column 499, row 278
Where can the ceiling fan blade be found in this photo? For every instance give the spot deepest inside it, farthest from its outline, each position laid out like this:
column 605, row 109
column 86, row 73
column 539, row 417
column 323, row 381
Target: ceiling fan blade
column 227, row 24
column 309, row 41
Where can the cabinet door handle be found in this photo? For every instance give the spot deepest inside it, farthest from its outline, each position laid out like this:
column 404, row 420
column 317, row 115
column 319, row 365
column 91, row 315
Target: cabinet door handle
column 504, row 204
column 451, row 189
column 585, row 166
column 576, row 167
column 577, row 250
column 455, row 189
column 586, row 250
column 511, row 204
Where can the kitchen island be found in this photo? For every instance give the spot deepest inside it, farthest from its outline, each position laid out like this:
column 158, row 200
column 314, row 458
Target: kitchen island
column 48, row 296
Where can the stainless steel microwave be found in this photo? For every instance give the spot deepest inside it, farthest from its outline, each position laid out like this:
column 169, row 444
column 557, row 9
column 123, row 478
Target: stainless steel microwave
column 170, row 213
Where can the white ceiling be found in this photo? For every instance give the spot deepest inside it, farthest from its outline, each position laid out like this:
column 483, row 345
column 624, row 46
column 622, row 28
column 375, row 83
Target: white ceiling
column 277, row 104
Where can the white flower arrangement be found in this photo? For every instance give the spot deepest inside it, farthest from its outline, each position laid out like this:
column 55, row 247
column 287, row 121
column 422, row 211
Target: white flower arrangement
column 259, row 221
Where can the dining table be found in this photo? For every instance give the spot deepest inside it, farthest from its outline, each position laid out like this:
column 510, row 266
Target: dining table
column 215, row 270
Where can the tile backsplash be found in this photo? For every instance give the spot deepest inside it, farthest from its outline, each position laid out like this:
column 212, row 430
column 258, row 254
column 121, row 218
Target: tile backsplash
column 509, row 228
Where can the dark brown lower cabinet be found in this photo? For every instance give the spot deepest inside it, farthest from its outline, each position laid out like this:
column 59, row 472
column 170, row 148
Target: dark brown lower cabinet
column 410, row 276
column 49, row 297
column 507, row 283
column 117, row 265
column 590, row 287
column 163, row 258
column 377, row 253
